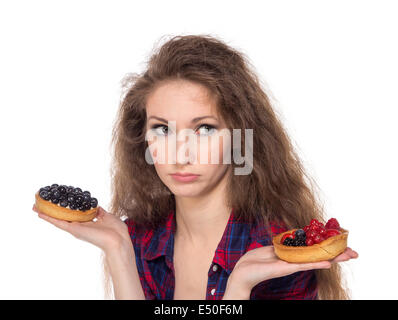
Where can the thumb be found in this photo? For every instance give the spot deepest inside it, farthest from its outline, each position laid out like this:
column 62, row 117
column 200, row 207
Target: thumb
column 101, row 212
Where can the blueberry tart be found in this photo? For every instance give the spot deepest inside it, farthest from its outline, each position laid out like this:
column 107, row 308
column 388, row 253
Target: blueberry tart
column 66, row 203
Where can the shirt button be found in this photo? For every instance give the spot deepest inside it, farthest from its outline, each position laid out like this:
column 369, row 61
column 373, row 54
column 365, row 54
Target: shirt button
column 212, row 291
column 215, row 267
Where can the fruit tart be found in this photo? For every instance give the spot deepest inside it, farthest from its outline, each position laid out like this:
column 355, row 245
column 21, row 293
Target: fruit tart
column 315, row 242
column 66, row 203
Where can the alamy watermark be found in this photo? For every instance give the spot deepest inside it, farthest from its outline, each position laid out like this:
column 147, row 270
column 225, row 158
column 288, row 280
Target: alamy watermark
column 201, row 145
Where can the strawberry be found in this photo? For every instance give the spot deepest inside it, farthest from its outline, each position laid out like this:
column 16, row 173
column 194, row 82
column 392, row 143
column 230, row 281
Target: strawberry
column 332, row 224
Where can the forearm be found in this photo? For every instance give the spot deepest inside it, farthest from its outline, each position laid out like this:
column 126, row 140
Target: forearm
column 123, row 271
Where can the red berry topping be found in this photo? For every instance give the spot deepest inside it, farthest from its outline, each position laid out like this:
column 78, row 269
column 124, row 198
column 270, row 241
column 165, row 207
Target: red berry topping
column 309, row 242
column 332, row 232
column 311, row 233
column 287, row 235
column 332, row 224
column 317, row 239
column 322, row 231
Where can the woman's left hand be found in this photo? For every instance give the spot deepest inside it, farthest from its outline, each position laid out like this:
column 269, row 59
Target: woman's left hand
column 262, row 264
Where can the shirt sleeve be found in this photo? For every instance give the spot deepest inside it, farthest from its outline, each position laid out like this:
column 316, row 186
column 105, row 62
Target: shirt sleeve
column 301, row 285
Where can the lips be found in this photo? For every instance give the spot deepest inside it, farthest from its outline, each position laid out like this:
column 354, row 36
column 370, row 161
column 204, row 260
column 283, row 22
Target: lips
column 184, row 174
column 184, row 177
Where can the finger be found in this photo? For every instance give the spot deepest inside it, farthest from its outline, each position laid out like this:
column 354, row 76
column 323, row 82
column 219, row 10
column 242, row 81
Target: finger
column 346, row 255
column 100, row 213
column 314, row 265
column 352, row 253
column 64, row 225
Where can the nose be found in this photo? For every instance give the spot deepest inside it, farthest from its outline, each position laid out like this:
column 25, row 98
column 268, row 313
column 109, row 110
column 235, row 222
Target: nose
column 186, row 146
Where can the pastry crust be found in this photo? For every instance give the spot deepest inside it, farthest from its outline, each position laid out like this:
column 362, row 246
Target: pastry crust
column 58, row 212
column 325, row 250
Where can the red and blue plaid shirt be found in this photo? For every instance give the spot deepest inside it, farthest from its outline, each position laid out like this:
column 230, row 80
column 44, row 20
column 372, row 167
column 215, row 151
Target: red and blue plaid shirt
column 154, row 257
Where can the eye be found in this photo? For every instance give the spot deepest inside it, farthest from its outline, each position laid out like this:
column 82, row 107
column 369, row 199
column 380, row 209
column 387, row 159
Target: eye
column 162, row 130
column 158, row 128
column 211, row 129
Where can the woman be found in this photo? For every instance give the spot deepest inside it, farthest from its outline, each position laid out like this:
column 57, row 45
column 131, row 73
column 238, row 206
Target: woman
column 207, row 236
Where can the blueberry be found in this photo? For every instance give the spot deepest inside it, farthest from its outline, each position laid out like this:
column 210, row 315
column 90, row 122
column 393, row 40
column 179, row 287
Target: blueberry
column 300, row 234
column 54, row 185
column 87, row 193
column 70, row 189
column 55, row 200
column 86, row 205
column 78, row 190
column 63, row 203
column 62, row 189
column 79, row 199
column 86, row 198
column 71, row 198
column 47, row 196
column 55, row 194
column 43, row 194
column 48, row 188
column 94, row 202
column 72, row 206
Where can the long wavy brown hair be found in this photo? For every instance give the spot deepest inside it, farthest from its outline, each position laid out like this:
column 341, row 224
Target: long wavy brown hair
column 278, row 188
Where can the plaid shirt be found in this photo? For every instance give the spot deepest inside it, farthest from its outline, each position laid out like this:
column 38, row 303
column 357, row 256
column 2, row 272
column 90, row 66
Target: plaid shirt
column 154, row 258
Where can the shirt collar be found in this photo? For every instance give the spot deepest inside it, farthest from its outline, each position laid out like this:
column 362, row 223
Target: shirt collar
column 231, row 247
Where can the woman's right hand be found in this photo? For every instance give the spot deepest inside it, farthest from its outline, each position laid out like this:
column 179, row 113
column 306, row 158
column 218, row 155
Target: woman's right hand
column 107, row 232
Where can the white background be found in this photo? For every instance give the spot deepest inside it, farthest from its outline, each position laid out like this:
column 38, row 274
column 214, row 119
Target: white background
column 332, row 70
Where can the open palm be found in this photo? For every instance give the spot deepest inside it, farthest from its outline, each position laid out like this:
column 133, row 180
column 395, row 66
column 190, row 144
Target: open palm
column 261, row 264
column 105, row 232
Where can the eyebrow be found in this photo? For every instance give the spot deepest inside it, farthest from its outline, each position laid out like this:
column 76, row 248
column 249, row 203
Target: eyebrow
column 192, row 121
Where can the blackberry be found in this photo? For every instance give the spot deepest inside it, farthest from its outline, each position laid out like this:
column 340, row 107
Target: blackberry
column 288, row 242
column 300, row 243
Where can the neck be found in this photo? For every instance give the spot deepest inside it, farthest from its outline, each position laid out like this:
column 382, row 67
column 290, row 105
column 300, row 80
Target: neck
column 201, row 220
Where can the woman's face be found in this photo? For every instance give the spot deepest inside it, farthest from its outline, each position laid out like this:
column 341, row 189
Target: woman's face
column 191, row 143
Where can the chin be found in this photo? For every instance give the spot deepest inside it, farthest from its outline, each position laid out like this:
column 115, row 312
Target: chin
column 185, row 191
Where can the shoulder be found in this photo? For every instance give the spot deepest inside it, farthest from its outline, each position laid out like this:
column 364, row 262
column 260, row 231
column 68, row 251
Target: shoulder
column 138, row 232
column 261, row 233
